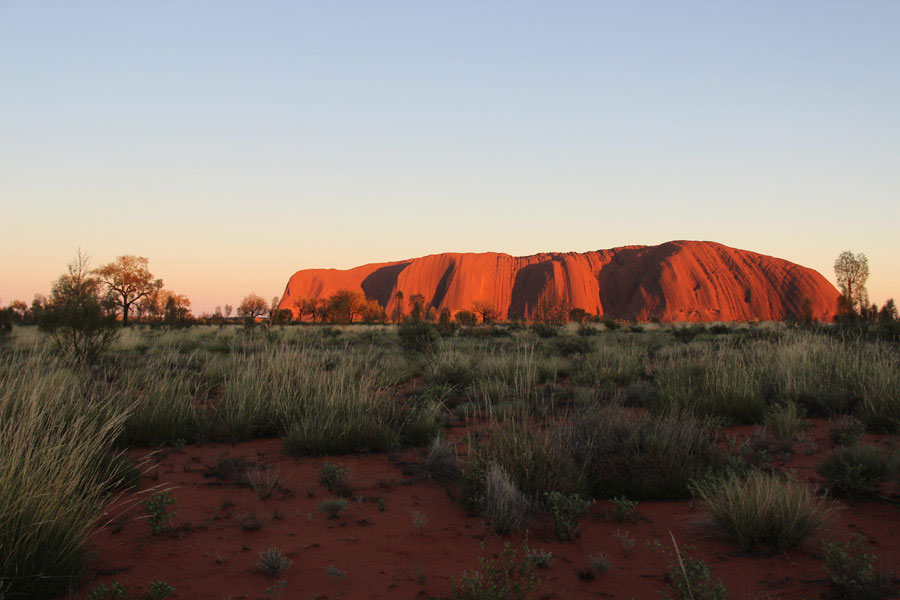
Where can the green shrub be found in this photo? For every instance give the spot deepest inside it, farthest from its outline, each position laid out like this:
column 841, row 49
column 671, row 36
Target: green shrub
column 586, row 330
column 851, row 568
column 332, row 475
column 567, row 511
column 157, row 516
column 568, row 346
column 417, row 337
column 105, row 592
column 690, row 578
column 622, row 509
column 507, row 577
column 854, row 470
column 452, row 374
column 763, row 511
column 157, row 590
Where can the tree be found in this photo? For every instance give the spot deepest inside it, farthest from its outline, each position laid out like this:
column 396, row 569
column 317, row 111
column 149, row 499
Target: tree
column 888, row 312
column 343, row 305
column 852, row 271
column 578, row 315
column 74, row 315
column 466, row 318
column 486, row 309
column 251, row 306
column 127, row 280
column 806, row 310
column 307, row 306
column 397, row 312
column 228, row 310
column 445, row 326
column 552, row 311
column 372, row 312
column 417, row 307
column 19, row 308
column 279, row 316
column 176, row 308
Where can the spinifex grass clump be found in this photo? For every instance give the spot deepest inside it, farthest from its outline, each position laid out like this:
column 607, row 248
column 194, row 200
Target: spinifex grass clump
column 639, row 456
column 54, row 472
column 763, row 511
column 601, row 453
column 441, row 463
column 273, row 562
column 504, row 507
column 332, row 507
column 785, row 421
column 345, row 408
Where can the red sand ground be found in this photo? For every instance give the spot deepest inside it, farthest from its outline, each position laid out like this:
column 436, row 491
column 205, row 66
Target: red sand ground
column 210, row 555
column 677, row 281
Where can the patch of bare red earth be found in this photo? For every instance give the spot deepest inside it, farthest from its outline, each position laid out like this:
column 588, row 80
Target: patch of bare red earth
column 210, row 555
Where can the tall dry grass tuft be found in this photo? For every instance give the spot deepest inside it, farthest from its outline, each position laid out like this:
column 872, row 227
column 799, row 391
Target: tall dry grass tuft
column 763, row 511
column 57, row 470
column 504, row 507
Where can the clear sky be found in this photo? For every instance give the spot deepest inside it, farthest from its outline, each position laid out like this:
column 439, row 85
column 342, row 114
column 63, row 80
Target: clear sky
column 233, row 143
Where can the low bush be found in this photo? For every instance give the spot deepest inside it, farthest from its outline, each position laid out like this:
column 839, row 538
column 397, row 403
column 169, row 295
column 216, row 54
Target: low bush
column 156, row 507
column 622, row 509
column 567, row 511
column 333, row 476
column 568, row 346
column 332, row 507
column 587, row 330
column 158, row 590
column 763, row 511
column 854, row 470
column 507, row 577
column 850, row 566
column 417, row 337
column 690, row 578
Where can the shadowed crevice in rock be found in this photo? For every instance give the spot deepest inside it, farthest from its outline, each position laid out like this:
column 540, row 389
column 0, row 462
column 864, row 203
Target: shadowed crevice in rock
column 381, row 283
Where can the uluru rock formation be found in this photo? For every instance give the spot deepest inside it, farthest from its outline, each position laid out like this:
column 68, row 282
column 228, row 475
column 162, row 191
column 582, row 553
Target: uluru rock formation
column 675, row 281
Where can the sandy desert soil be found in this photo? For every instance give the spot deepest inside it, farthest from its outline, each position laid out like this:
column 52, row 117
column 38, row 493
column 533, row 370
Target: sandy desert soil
column 382, row 554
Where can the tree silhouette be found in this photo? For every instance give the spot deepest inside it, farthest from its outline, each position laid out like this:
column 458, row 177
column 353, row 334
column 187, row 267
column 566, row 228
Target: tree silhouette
column 252, row 306
column 852, row 271
column 127, row 280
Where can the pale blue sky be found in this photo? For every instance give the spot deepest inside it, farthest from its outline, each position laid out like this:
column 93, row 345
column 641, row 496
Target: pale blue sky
column 233, row 143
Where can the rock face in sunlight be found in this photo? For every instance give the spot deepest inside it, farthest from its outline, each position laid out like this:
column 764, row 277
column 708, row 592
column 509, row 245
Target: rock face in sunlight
column 675, row 281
